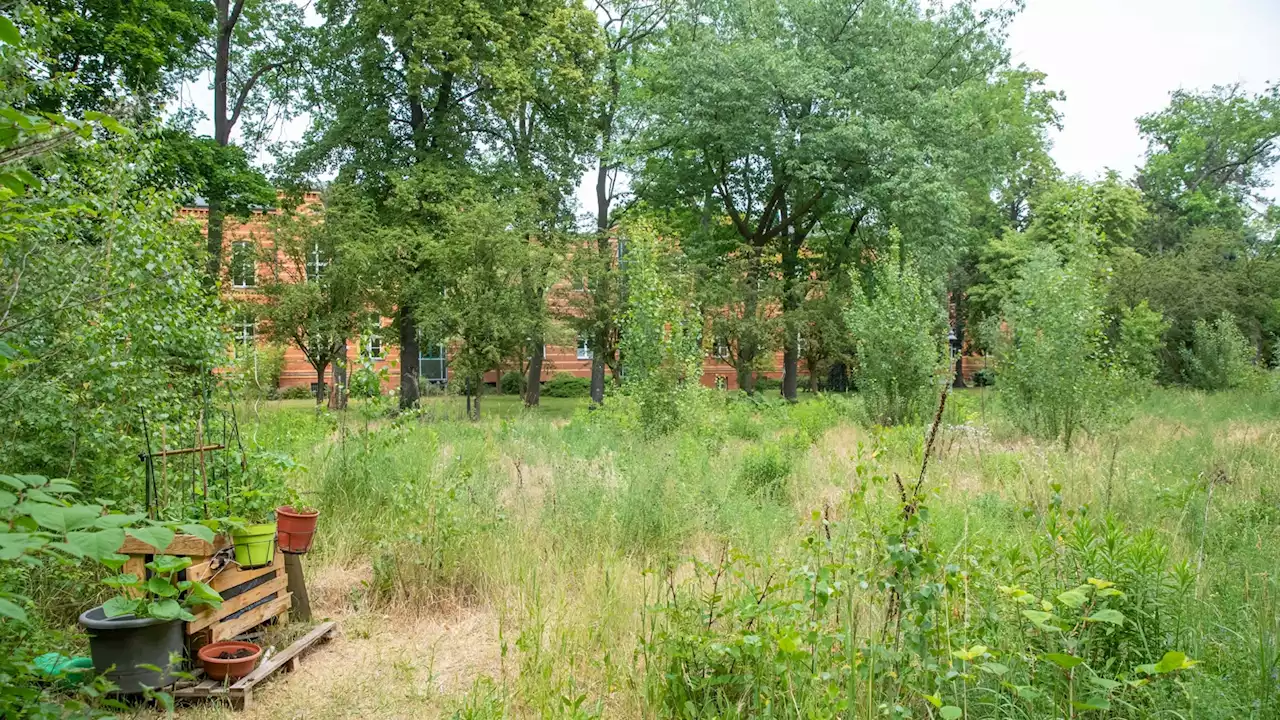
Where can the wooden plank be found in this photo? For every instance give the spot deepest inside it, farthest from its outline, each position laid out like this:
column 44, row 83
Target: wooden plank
column 137, row 565
column 181, row 545
column 231, row 574
column 298, row 586
column 235, row 604
column 322, row 631
column 228, row 629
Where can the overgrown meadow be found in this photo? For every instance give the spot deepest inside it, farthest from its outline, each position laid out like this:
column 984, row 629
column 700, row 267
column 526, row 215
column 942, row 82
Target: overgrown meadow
column 775, row 560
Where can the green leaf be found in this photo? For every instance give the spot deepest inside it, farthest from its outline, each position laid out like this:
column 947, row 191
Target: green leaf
column 1172, row 660
column 1074, row 598
column 12, row 610
column 9, row 32
column 1062, row 660
column 155, row 536
column 950, row 712
column 166, row 564
column 63, row 519
column 159, row 586
column 120, row 605
column 1115, row 617
column 115, row 561
column 198, row 530
column 203, row 594
column 116, row 520
column 26, row 177
column 1096, row 703
column 994, row 668
column 7, row 499
column 96, row 544
column 121, row 580
column 974, row 652
column 13, row 482
column 1105, row 683
column 164, row 609
column 1041, row 619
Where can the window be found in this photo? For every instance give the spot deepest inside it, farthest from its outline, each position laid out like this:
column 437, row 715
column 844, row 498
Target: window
column 721, row 349
column 317, row 261
column 373, row 338
column 433, row 366
column 243, row 267
column 244, row 328
column 584, row 348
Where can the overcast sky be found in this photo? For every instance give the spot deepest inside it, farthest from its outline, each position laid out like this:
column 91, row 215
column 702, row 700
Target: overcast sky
column 1118, row 59
column 1114, row 60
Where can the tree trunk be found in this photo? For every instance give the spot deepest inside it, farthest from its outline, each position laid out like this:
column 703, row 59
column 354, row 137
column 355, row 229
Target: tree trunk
column 213, row 242
column 409, row 389
column 320, row 393
column 597, row 379
column 958, row 345
column 746, row 379
column 221, row 134
column 338, row 394
column 533, row 385
column 790, row 366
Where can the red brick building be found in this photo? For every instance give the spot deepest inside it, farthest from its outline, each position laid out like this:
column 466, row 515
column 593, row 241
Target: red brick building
column 242, row 241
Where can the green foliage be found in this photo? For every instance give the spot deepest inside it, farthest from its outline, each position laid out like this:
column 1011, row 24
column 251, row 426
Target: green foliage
column 512, row 382
column 1219, row 356
column 296, row 392
column 1139, row 340
column 660, row 348
column 566, row 385
column 1056, row 374
column 896, row 328
column 764, row 471
column 1208, row 155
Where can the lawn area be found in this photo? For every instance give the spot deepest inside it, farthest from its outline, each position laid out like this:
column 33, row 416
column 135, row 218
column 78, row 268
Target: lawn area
column 758, row 563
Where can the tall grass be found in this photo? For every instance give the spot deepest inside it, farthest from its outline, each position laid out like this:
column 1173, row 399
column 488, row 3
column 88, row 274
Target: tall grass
column 744, row 566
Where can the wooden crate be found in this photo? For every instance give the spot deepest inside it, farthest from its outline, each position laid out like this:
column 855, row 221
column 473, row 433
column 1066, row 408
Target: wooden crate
column 240, row 694
column 252, row 596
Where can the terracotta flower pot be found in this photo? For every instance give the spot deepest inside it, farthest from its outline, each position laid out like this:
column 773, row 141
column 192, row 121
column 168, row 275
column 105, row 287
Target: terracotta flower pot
column 295, row 528
column 227, row 660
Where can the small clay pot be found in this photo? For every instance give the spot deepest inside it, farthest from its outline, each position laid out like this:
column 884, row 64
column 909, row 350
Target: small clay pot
column 295, row 528
column 217, row 668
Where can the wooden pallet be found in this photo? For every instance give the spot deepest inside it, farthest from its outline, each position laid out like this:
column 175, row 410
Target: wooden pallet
column 240, row 695
column 252, row 595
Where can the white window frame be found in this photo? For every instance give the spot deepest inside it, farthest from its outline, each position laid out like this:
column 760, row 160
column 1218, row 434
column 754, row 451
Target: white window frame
column 316, row 262
column 236, row 263
column 584, row 348
column 246, row 331
column 720, row 350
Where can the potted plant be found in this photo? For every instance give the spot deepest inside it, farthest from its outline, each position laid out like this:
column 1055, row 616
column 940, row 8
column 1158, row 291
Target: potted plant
column 295, row 525
column 262, row 490
column 229, row 659
column 134, row 636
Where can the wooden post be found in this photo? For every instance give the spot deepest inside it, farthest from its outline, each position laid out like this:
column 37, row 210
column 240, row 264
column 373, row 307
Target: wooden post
column 298, row 586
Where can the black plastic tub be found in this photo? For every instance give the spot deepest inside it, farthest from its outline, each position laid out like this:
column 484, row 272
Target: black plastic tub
column 119, row 645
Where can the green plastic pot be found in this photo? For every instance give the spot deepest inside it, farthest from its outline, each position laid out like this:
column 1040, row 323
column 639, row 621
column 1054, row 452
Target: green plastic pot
column 255, row 545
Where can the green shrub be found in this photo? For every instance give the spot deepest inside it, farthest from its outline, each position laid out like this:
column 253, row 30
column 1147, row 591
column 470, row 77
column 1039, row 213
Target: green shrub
column 564, row 385
column 297, row 392
column 768, row 383
column 897, row 328
column 1056, row 377
column 512, row 383
column 764, row 471
column 986, row 377
column 1220, row 357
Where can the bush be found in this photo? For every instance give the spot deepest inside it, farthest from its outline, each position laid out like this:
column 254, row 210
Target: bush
column 512, row 383
column 1220, row 357
column 564, row 385
column 768, row 383
column 986, row 377
column 1056, row 378
column 297, row 392
column 764, row 471
column 897, row 331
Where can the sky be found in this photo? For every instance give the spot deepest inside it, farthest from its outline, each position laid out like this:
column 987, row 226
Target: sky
column 1114, row 59
column 1118, row 59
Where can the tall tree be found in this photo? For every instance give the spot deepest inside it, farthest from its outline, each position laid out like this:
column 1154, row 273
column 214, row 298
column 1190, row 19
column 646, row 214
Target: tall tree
column 789, row 118
column 315, row 289
column 1208, row 157
column 254, row 45
column 631, row 28
column 405, row 84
